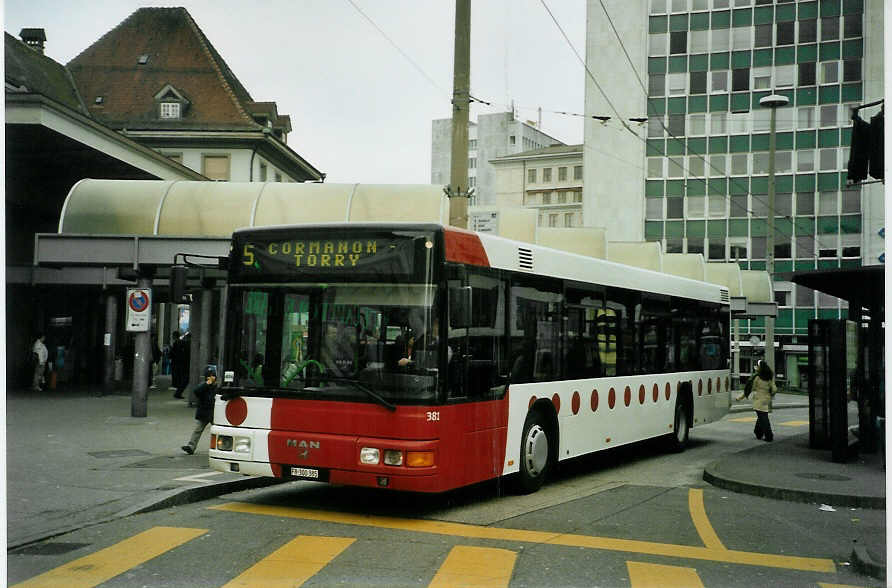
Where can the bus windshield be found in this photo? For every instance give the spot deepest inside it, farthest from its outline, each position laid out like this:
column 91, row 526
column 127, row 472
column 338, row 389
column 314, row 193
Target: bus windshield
column 349, row 341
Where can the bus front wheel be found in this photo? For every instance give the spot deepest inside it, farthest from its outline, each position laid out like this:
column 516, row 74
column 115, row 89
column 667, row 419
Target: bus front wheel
column 681, row 430
column 535, row 453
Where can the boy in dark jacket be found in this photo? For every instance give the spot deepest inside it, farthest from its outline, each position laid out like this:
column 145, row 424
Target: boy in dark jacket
column 205, row 395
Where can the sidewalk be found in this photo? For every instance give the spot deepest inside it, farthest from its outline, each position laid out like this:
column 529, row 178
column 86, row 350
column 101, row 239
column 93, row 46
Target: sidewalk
column 74, row 458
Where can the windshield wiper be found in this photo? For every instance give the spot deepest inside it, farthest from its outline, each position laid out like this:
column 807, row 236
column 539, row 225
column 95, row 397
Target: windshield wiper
column 364, row 388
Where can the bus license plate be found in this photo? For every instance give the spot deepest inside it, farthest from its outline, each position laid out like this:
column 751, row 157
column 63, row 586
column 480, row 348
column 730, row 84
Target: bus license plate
column 305, row 473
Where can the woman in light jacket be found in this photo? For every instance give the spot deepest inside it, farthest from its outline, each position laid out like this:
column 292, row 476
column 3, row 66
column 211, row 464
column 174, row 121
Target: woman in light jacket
column 763, row 390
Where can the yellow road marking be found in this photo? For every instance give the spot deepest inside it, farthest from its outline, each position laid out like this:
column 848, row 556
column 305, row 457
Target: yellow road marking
column 810, row 564
column 744, row 420
column 646, row 575
column 475, row 566
column 826, row 585
column 107, row 563
column 795, row 423
column 701, row 521
column 294, row 563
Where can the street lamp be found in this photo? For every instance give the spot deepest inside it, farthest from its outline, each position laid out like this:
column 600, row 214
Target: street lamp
column 772, row 101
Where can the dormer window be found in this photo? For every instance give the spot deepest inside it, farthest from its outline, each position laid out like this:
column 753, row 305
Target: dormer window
column 170, row 110
column 171, row 103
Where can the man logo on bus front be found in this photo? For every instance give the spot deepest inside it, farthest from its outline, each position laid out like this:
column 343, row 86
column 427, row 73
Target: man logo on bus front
column 302, row 444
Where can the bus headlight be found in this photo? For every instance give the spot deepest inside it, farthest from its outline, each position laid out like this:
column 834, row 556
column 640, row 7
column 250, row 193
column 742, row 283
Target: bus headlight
column 242, row 445
column 393, row 457
column 369, row 455
column 224, row 443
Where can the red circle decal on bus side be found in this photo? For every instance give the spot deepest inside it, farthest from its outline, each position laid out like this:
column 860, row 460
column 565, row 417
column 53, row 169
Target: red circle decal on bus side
column 656, row 392
column 627, row 396
column 575, row 402
column 718, row 384
column 556, row 401
column 668, row 390
column 709, row 386
column 532, row 402
column 641, row 393
column 611, row 398
column 594, row 401
column 236, row 411
column 700, row 387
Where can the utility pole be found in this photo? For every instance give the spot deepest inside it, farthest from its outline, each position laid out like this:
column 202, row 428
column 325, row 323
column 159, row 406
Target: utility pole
column 457, row 190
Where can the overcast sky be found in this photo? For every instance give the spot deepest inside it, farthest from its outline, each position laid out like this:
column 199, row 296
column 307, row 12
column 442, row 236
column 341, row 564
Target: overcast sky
column 361, row 111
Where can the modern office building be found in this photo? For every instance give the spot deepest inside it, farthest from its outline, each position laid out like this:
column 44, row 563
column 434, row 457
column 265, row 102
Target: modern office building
column 492, row 136
column 695, row 176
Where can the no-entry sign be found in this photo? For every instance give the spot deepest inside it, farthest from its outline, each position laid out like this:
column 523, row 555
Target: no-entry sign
column 139, row 309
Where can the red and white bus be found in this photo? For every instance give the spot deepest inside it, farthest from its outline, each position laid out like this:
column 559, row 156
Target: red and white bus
column 423, row 357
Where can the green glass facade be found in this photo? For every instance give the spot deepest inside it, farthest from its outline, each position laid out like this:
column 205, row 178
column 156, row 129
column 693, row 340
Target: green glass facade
column 706, row 190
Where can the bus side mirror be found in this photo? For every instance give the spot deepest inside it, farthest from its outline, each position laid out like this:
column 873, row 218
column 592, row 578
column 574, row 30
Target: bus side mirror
column 178, row 275
column 460, row 311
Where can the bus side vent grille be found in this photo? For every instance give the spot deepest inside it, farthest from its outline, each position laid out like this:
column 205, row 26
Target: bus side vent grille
column 725, row 296
column 525, row 258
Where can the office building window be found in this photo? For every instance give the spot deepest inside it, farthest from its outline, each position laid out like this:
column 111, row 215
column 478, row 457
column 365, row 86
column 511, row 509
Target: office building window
column 757, row 247
column 808, row 31
column 531, row 176
column 760, row 163
column 784, row 75
column 674, row 207
column 577, row 195
column 717, row 123
column 761, row 120
column 739, row 164
column 695, row 245
column 721, row 40
column 764, row 34
column 472, row 163
column 741, row 38
column 761, row 78
column 696, row 124
column 655, row 167
column 828, row 115
column 677, row 83
column 830, row 72
column 552, row 220
column 719, row 81
column 656, row 85
column 472, row 144
column 716, row 165
column 678, row 42
column 737, row 250
column 740, row 79
column 852, row 25
column 655, row 127
column 830, row 28
column 562, row 174
column 716, row 249
column 696, row 206
column 696, row 164
column 851, row 70
column 717, row 206
column 827, row 246
column 676, row 167
column 657, row 44
column 577, row 172
column 805, row 247
column 785, row 33
column 215, row 167
column 783, row 162
column 658, row 6
column 653, row 208
column 805, row 160
column 676, row 125
column 569, row 219
column 828, row 203
column 562, row 197
column 806, row 117
column 805, row 203
column 546, row 174
column 828, row 158
column 674, row 246
column 699, row 41
column 807, row 73
column 783, row 204
column 698, row 82
column 850, row 245
column 759, row 205
column 851, row 201
column 546, row 197
column 738, row 207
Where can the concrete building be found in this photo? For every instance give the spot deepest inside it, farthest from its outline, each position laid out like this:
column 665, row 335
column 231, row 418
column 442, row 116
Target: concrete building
column 695, row 177
column 547, row 180
column 492, row 136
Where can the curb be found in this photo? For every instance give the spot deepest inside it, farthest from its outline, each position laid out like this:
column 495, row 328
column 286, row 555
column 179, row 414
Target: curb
column 864, row 563
column 791, row 495
column 748, row 408
column 177, row 497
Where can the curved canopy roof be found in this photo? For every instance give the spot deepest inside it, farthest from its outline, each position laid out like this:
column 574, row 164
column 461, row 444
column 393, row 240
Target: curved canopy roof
column 216, row 209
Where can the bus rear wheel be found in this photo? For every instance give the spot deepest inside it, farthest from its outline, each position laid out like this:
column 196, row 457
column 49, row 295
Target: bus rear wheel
column 535, row 454
column 681, row 429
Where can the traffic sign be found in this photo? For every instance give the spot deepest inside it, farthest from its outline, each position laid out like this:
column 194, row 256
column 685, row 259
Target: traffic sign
column 139, row 309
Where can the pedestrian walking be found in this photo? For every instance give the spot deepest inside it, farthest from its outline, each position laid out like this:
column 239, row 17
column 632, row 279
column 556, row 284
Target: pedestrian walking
column 205, row 395
column 179, row 363
column 761, row 386
column 39, row 355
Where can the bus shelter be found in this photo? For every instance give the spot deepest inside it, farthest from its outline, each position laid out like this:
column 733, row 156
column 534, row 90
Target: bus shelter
column 123, row 236
column 861, row 379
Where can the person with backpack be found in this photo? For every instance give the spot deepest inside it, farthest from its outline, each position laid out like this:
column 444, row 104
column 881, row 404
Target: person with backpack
column 761, row 385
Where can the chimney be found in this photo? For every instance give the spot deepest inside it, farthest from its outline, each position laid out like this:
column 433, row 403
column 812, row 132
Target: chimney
column 34, row 38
